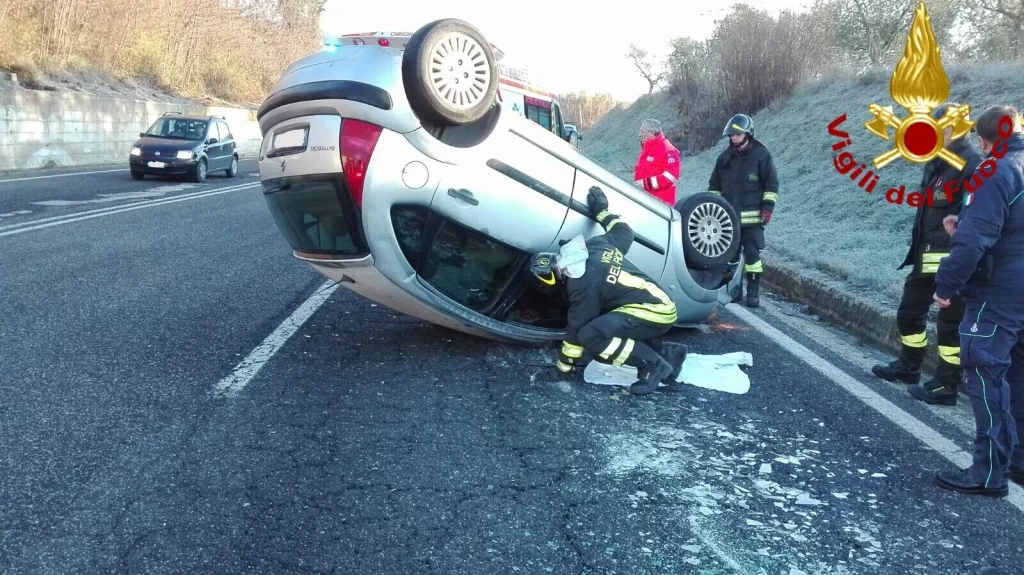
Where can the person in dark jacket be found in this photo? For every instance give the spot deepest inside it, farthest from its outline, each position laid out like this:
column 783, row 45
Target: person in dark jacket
column 986, row 267
column 929, row 243
column 745, row 175
column 614, row 308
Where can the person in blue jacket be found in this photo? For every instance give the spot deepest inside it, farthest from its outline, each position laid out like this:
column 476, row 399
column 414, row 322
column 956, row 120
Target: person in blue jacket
column 986, row 266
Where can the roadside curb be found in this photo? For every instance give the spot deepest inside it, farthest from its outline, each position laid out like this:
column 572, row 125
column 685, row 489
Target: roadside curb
column 871, row 323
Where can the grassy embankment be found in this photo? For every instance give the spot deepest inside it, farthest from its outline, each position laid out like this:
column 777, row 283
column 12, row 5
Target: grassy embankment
column 825, row 227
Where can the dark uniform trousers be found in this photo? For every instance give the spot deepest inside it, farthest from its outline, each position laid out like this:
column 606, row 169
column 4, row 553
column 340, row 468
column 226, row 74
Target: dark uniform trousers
column 616, row 338
column 752, row 242
column 993, row 361
column 912, row 319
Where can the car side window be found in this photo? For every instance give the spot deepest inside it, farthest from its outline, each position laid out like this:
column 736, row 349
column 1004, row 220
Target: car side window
column 225, row 133
column 213, row 132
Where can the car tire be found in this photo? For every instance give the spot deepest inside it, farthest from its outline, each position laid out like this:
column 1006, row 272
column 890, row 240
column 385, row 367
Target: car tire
column 199, row 175
column 137, row 174
column 233, row 170
column 711, row 231
column 454, row 96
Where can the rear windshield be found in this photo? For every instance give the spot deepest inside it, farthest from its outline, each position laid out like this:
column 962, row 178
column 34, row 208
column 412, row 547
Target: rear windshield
column 178, row 128
column 316, row 214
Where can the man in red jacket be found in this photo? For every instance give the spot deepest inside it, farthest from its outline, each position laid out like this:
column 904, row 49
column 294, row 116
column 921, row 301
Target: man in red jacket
column 658, row 167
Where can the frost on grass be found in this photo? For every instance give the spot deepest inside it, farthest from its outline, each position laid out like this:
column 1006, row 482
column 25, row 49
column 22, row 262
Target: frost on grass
column 718, row 476
column 824, row 226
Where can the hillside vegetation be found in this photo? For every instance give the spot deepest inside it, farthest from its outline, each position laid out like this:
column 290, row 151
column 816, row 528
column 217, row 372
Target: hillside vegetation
column 825, row 226
column 233, row 50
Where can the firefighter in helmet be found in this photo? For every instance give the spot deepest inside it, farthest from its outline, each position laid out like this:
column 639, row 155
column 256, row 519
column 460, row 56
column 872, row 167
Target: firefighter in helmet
column 614, row 308
column 745, row 175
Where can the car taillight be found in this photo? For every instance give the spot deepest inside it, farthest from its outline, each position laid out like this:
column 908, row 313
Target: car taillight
column 357, row 142
column 384, row 42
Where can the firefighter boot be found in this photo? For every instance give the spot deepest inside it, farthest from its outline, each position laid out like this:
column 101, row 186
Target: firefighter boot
column 737, row 294
column 942, row 389
column 906, row 369
column 675, row 354
column 652, row 376
column 650, row 366
column 753, row 281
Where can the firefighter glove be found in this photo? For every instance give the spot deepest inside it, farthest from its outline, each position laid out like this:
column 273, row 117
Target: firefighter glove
column 766, row 216
column 596, row 200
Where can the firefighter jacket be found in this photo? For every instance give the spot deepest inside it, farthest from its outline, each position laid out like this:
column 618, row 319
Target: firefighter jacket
column 929, row 242
column 657, row 169
column 991, row 224
column 747, row 180
column 611, row 283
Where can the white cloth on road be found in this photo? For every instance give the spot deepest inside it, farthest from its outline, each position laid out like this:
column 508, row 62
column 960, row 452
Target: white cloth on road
column 718, row 372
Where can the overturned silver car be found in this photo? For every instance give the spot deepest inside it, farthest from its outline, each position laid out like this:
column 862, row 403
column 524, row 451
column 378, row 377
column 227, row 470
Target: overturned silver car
column 390, row 166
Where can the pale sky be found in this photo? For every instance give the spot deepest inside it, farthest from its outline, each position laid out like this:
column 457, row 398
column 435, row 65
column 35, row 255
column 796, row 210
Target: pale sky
column 566, row 46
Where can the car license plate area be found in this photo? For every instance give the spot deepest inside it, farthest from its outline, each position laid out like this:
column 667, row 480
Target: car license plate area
column 157, row 165
column 290, row 140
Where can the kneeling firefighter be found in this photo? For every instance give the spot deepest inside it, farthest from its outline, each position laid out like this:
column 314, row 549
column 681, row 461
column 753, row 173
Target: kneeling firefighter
column 614, row 308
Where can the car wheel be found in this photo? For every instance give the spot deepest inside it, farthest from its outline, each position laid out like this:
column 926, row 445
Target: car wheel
column 137, row 174
column 449, row 72
column 200, row 173
column 711, row 231
column 233, row 170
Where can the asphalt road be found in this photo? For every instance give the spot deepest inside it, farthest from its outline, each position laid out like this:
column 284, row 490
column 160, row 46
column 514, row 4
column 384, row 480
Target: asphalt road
column 364, row 441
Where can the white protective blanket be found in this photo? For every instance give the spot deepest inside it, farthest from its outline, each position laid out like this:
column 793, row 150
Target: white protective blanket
column 718, row 372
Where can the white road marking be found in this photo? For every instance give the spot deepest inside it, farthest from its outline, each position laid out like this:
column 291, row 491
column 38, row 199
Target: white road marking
column 872, row 399
column 17, row 213
column 959, row 416
column 62, row 175
column 115, row 208
column 77, row 217
column 156, row 192
column 251, row 365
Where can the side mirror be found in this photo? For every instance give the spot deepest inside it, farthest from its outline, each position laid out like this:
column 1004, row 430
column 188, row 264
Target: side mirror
column 142, row 134
column 212, row 141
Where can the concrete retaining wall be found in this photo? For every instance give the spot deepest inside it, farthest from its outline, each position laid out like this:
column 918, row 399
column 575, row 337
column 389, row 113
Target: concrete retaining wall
column 47, row 129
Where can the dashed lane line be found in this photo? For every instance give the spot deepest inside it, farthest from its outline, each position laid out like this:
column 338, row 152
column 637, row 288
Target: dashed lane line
column 44, row 223
column 254, row 362
column 872, row 399
column 62, row 175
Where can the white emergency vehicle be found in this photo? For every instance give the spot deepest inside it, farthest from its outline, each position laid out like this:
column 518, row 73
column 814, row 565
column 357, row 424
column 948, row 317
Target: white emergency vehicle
column 515, row 89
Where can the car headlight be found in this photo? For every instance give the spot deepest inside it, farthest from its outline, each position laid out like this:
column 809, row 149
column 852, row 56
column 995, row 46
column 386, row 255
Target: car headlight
column 136, row 151
column 185, row 155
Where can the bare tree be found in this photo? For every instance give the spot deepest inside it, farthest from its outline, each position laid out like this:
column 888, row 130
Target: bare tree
column 876, row 30
column 1011, row 15
column 243, row 44
column 641, row 60
column 585, row 109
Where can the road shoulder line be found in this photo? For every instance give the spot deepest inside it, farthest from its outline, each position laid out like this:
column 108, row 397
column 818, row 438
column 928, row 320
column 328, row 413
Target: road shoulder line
column 926, row 435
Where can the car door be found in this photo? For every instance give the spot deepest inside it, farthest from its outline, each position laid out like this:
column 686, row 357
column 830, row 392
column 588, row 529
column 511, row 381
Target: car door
column 227, row 143
column 651, row 229
column 519, row 199
column 216, row 151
